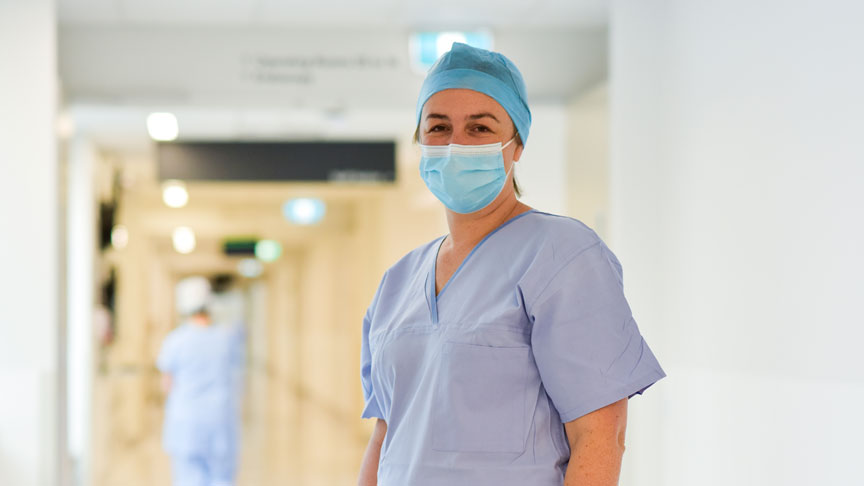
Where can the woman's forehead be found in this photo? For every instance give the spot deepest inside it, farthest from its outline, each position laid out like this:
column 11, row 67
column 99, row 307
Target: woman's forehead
column 462, row 103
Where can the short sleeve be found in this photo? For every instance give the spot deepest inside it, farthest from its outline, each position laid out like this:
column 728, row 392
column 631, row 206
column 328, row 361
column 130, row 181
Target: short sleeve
column 586, row 343
column 372, row 407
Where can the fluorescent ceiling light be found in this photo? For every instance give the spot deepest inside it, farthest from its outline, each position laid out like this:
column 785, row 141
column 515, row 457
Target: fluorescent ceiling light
column 304, row 210
column 162, row 126
column 174, row 194
column 183, row 239
column 427, row 47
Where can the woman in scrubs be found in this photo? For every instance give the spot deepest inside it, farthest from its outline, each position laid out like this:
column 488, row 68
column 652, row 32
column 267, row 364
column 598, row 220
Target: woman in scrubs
column 200, row 362
column 503, row 353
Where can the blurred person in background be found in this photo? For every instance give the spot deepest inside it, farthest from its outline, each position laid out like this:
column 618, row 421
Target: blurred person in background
column 201, row 362
column 503, row 353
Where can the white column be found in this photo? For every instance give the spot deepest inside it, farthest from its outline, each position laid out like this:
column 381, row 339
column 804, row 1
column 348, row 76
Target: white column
column 80, row 299
column 29, row 244
column 737, row 198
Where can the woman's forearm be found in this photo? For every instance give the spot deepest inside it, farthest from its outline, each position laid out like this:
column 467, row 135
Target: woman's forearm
column 369, row 466
column 166, row 383
column 595, row 460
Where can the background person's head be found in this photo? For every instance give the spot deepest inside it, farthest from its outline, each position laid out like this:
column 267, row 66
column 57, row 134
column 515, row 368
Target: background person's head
column 193, row 296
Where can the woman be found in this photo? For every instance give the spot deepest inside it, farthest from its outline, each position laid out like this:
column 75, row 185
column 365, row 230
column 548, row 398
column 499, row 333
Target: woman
column 503, row 353
column 200, row 362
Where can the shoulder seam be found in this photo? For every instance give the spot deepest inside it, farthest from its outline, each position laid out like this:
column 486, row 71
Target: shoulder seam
column 563, row 266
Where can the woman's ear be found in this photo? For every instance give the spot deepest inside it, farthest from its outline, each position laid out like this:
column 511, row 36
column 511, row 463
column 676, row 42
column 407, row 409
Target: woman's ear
column 517, row 152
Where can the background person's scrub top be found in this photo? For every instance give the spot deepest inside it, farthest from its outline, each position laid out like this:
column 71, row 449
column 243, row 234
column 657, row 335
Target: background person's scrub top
column 532, row 330
column 201, row 409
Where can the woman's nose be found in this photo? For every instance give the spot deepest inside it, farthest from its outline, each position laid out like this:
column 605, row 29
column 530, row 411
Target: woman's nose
column 459, row 137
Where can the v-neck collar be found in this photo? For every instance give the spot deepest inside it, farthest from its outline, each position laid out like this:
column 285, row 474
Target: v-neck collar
column 431, row 297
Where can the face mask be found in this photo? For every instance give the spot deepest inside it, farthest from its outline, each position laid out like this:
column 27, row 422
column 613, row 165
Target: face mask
column 465, row 178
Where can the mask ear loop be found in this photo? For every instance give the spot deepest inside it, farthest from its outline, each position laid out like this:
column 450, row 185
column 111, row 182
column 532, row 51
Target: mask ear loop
column 512, row 163
column 512, row 166
column 506, row 178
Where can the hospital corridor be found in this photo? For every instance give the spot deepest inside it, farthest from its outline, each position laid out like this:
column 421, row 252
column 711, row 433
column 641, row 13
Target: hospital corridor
column 298, row 413
column 294, row 243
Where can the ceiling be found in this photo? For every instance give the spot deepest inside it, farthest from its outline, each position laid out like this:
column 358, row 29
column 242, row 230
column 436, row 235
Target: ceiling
column 283, row 69
column 330, row 13
column 241, row 82
column 277, row 69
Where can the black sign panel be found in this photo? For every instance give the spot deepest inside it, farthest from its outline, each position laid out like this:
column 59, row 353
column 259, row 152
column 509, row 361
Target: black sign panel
column 278, row 161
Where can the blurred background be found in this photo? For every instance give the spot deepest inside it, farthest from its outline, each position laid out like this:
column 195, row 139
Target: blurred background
column 716, row 146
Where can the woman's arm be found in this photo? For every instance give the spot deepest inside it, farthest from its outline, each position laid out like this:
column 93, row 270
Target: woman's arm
column 596, row 446
column 166, row 383
column 369, row 466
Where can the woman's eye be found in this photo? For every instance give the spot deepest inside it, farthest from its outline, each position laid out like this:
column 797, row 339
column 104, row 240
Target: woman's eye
column 481, row 128
column 437, row 128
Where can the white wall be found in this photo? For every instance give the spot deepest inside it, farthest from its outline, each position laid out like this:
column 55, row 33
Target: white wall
column 736, row 209
column 588, row 158
column 542, row 169
column 28, row 244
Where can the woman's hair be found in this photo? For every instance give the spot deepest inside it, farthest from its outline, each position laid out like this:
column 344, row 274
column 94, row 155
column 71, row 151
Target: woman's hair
column 516, row 187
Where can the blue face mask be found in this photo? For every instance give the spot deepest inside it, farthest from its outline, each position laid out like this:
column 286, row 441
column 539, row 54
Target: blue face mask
column 465, row 178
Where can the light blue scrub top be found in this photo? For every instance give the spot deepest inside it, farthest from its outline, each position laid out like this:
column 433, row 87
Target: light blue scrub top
column 201, row 410
column 531, row 331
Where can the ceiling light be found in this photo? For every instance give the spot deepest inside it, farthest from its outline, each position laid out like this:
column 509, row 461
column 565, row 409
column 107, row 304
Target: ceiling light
column 183, row 239
column 174, row 194
column 162, row 126
column 304, row 210
column 427, row 47
column 445, row 40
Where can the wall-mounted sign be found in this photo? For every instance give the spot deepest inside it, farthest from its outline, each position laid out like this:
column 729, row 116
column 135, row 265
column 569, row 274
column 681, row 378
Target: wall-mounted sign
column 278, row 161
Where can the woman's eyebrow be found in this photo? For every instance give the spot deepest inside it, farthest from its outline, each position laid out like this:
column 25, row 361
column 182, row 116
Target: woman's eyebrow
column 475, row 116
column 482, row 115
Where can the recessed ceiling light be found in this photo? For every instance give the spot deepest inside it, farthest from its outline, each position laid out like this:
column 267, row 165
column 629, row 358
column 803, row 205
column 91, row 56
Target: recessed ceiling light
column 162, row 126
column 427, row 47
column 174, row 194
column 183, row 239
column 304, row 210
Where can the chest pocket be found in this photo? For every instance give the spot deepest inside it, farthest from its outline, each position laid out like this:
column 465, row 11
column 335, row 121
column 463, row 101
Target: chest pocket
column 485, row 398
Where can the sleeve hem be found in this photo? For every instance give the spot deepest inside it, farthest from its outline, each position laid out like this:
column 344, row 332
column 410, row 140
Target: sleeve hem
column 626, row 391
column 371, row 410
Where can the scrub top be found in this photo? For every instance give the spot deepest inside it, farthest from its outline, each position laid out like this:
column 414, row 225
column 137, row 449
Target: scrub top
column 201, row 409
column 531, row 331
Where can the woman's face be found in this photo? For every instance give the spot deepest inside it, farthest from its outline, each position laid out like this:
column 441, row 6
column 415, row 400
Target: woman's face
column 467, row 117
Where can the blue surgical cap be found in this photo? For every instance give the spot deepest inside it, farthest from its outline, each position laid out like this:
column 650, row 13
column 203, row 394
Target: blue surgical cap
column 483, row 71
